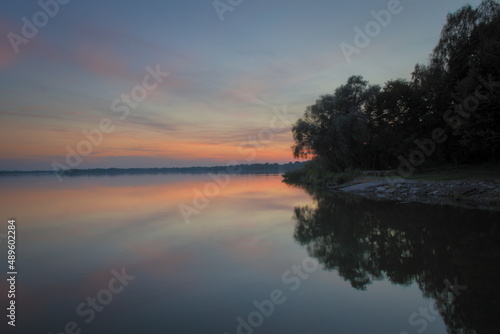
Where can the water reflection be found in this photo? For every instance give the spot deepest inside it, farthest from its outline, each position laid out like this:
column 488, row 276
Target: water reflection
column 200, row 277
column 442, row 249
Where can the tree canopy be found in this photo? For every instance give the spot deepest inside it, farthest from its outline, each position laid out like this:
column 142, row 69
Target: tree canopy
column 457, row 92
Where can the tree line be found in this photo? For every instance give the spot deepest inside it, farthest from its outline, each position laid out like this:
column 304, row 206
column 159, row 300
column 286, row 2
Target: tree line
column 449, row 112
column 255, row 168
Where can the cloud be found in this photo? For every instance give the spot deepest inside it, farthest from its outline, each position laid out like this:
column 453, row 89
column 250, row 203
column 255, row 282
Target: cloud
column 101, row 61
column 149, row 122
column 7, row 54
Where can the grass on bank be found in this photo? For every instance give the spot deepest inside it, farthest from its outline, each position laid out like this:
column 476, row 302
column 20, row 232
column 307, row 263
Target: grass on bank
column 458, row 173
column 314, row 174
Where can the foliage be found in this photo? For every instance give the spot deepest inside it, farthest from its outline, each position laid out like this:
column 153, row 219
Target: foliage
column 316, row 173
column 467, row 56
column 335, row 127
column 367, row 126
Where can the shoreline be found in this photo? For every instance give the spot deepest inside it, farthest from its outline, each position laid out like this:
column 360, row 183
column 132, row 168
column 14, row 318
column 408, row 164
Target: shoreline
column 483, row 194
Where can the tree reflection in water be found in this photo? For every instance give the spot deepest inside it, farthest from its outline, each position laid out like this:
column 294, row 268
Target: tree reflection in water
column 365, row 240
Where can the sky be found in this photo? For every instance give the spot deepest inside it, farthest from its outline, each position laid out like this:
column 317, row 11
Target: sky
column 163, row 83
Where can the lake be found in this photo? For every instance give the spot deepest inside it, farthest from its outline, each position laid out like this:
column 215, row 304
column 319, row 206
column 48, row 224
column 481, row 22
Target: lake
column 181, row 253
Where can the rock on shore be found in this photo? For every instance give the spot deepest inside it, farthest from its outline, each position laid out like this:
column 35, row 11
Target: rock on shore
column 481, row 194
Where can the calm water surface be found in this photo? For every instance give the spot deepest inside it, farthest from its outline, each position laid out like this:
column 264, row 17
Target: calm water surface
column 116, row 255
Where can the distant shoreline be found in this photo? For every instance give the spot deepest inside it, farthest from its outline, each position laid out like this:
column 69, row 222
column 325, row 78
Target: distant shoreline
column 273, row 168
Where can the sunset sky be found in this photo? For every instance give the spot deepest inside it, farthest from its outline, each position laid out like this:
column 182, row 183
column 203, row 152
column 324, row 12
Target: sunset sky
column 230, row 81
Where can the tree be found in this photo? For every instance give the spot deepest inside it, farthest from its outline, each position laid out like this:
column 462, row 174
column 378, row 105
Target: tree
column 335, row 127
column 467, row 55
column 458, row 92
